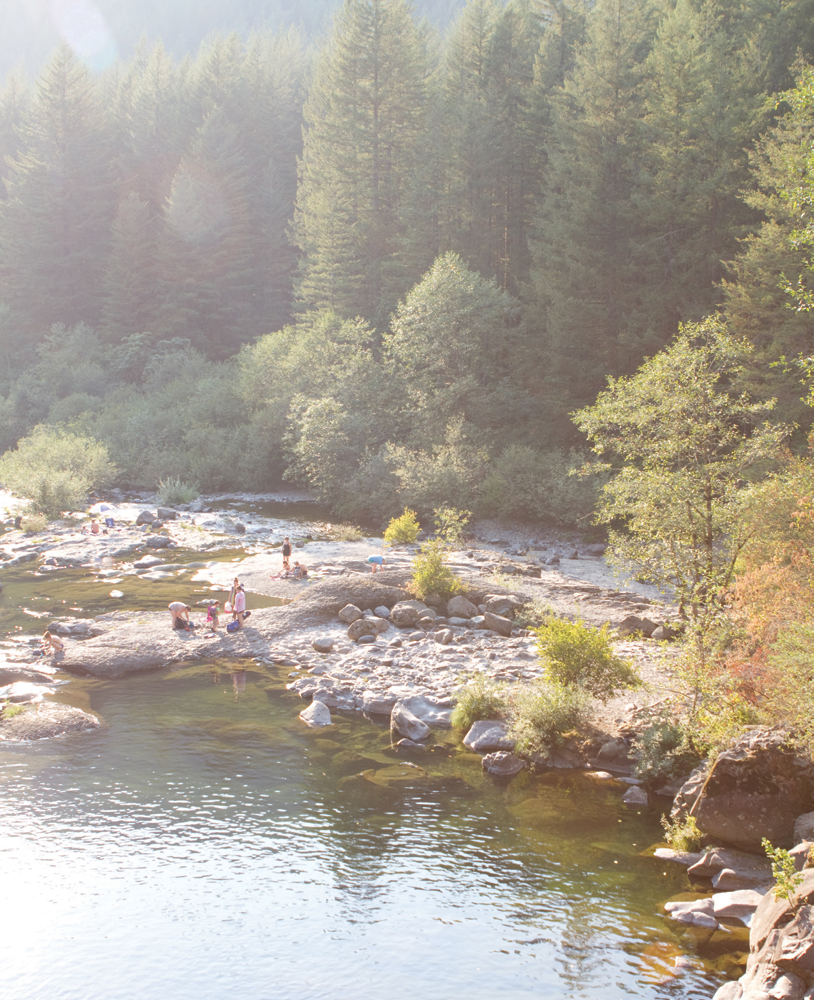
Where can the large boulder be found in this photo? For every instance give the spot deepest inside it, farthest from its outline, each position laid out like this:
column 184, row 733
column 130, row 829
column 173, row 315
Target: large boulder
column 781, row 949
column 461, row 607
column 488, row 734
column 404, row 722
column 146, row 517
column 316, row 715
column 497, row 623
column 755, row 789
column 429, row 712
column 349, row 614
column 404, row 615
column 502, row 764
column 505, row 605
column 166, row 514
column 362, row 626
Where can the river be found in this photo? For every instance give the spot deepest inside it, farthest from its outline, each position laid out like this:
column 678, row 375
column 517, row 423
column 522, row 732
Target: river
column 205, row 844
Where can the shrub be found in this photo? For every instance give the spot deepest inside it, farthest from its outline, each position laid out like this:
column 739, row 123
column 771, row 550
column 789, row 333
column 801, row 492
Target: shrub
column 56, row 469
column 682, row 835
column 450, row 523
column 787, row 879
column 32, row 523
column 480, row 698
column 577, row 654
column 431, row 575
column 9, row 710
column 543, row 713
column 664, row 752
column 402, row 529
column 345, row 533
column 173, row 491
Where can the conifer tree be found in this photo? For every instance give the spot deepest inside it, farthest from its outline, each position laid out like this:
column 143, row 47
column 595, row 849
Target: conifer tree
column 55, row 223
column 207, row 246
column 364, row 116
column 587, row 280
column 130, row 285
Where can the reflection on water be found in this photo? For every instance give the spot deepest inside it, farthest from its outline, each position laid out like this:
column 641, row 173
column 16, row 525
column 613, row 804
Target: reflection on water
column 206, row 844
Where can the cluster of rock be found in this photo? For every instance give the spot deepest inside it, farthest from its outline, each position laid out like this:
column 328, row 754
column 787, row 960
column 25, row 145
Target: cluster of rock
column 494, row 614
column 645, row 627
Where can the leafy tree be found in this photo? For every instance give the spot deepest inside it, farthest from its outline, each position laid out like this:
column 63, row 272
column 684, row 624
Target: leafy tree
column 55, row 223
column 56, row 469
column 689, row 443
column 364, row 115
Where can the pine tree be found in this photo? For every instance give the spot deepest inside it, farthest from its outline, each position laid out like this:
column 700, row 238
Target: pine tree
column 54, row 226
column 130, row 285
column 364, row 117
column 13, row 102
column 701, row 107
column 207, row 245
column 587, row 281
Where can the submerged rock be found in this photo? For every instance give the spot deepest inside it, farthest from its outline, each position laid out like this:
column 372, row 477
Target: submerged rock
column 404, row 722
column 502, row 764
column 316, row 715
column 46, row 720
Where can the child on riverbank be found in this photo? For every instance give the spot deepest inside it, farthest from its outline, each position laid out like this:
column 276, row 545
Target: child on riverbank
column 212, row 613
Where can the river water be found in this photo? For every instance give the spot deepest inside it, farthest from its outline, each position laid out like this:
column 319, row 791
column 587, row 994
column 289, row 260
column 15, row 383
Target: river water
column 205, row 844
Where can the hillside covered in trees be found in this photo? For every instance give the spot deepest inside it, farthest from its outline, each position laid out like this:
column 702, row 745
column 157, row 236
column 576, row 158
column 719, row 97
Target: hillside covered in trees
column 393, row 265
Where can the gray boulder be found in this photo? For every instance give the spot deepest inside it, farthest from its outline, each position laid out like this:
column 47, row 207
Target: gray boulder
column 444, row 636
column 404, row 722
column 697, row 912
column 379, row 624
column 146, row 517
column 663, row 632
column 362, row 626
column 166, row 514
column 158, row 542
column 502, row 764
column 749, row 869
column 316, row 715
column 147, row 562
column 487, row 735
column 497, row 623
column 804, row 828
column 323, row 644
column 755, row 789
column 736, row 905
column 349, row 614
column 635, row 796
column 375, row 703
column 382, row 611
column 632, row 625
column 404, row 615
column 460, row 607
column 504, row 605
column 427, row 711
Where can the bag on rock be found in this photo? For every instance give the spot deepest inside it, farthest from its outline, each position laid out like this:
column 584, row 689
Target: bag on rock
column 233, row 626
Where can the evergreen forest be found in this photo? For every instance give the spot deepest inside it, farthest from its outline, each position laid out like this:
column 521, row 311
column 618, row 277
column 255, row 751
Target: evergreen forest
column 393, row 266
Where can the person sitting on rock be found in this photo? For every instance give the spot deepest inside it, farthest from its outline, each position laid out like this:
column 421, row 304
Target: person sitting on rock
column 180, row 615
column 300, row 571
column 376, row 563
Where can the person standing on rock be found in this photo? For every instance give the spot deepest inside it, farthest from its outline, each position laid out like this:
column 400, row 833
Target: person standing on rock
column 286, row 553
column 376, row 563
column 230, row 604
column 179, row 612
column 240, row 605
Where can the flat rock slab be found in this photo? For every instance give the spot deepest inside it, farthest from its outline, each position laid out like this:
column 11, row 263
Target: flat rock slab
column 487, row 735
column 46, row 720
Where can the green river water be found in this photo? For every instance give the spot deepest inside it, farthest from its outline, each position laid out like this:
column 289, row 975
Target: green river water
column 205, row 844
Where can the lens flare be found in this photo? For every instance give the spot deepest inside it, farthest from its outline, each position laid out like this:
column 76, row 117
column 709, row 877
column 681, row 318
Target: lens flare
column 81, row 24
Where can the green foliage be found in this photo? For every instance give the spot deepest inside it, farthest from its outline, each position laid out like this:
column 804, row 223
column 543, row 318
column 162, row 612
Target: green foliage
column 479, row 698
column 402, row 529
column 431, row 575
column 577, row 655
column 787, row 878
column 56, row 469
column 663, row 752
column 682, row 834
column 544, row 712
column 688, row 443
column 9, row 710
column 450, row 523
column 345, row 533
column 174, row 491
column 32, row 524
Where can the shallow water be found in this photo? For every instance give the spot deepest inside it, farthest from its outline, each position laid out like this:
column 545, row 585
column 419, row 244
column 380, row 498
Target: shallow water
column 205, row 843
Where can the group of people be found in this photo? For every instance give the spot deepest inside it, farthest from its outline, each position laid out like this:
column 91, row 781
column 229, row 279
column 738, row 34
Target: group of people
column 300, row 570
column 236, row 606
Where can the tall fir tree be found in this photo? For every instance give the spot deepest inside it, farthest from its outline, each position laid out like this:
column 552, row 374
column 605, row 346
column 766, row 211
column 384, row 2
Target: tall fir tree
column 55, row 223
column 130, row 284
column 364, row 117
column 588, row 286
